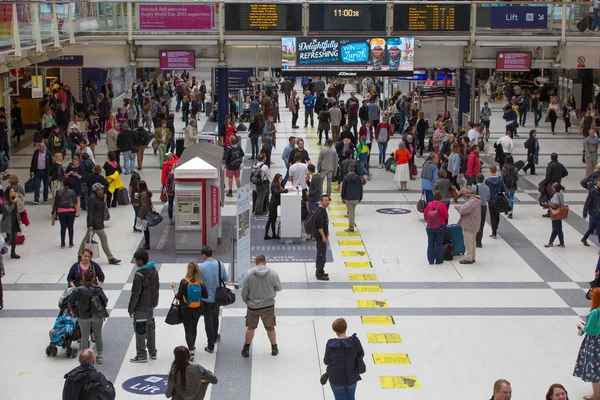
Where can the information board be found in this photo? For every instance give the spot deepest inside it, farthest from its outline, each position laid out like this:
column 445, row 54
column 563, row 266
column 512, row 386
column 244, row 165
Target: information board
column 176, row 17
column 263, row 17
column 347, row 17
column 239, row 79
column 513, row 61
column 432, row 17
column 177, row 59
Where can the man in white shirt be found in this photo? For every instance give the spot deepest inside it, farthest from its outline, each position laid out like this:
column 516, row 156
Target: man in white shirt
column 298, row 173
column 473, row 134
column 507, row 144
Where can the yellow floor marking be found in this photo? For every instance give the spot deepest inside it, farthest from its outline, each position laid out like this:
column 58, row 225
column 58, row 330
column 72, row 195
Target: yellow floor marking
column 351, row 243
column 384, row 337
column 377, row 320
column 362, row 277
column 354, row 253
column 366, row 289
column 338, row 208
column 372, row 304
column 338, row 216
column 399, row 382
column 337, row 203
column 344, row 233
column 358, row 264
column 391, row 359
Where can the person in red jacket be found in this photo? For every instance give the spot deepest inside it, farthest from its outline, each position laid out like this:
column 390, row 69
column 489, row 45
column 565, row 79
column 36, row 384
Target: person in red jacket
column 166, row 167
column 473, row 166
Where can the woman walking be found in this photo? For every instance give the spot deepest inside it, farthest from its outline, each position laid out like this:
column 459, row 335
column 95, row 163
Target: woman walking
column 341, row 355
column 276, row 190
column 81, row 301
column 10, row 220
column 230, row 130
column 557, row 201
column 324, row 118
column 135, row 200
column 552, row 114
column 145, row 201
column 190, row 294
column 254, row 132
column 436, row 215
column 93, row 132
column 587, row 366
column 64, row 209
column 402, row 157
column 110, row 168
column 510, row 176
column 566, row 113
column 187, row 381
column 75, row 172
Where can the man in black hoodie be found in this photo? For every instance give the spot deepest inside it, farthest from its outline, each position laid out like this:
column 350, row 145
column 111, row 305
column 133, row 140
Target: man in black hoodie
column 85, row 381
column 143, row 301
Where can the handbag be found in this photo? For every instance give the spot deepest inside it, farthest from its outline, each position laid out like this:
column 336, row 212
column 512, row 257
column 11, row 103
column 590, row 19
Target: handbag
column 153, row 218
column 223, row 295
column 454, row 193
column 361, row 367
column 559, row 213
column 106, row 213
column 29, row 186
column 98, row 307
column 92, row 245
column 421, row 204
column 154, row 144
column 414, row 170
column 163, row 194
column 174, row 314
column 573, row 115
column 324, row 378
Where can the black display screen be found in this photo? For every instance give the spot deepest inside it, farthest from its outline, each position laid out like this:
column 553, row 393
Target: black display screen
column 432, row 17
column 263, row 17
column 347, row 17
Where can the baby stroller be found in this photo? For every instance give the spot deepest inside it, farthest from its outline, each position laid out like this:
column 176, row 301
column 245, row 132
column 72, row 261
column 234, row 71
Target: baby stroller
column 245, row 117
column 66, row 329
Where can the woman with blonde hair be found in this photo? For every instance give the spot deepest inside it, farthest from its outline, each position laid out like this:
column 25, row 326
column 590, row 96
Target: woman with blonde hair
column 552, row 113
column 587, row 366
column 402, row 156
column 190, row 294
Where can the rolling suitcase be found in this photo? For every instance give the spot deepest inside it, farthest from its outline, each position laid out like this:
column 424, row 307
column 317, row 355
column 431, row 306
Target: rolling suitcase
column 179, row 146
column 456, row 238
column 123, row 197
column 585, row 24
column 519, row 165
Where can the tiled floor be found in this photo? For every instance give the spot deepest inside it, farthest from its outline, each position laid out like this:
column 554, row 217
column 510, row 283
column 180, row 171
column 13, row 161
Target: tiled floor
column 511, row 315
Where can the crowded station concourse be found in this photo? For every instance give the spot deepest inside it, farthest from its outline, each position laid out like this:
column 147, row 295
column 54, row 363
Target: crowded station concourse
column 335, row 229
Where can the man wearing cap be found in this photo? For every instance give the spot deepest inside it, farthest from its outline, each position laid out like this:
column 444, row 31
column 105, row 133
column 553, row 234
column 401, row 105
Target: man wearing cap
column 95, row 222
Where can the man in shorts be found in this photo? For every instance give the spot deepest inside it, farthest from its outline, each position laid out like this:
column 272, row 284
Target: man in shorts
column 259, row 288
column 234, row 158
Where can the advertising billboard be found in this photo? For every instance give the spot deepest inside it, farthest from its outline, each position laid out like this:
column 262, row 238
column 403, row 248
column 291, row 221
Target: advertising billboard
column 348, row 56
column 176, row 17
column 177, row 59
column 513, row 61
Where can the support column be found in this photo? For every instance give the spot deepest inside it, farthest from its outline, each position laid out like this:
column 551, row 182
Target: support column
column 223, row 101
column 464, row 94
column 587, row 87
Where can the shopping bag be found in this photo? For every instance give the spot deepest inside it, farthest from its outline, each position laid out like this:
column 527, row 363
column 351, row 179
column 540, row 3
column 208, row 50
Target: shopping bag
column 174, row 314
column 393, row 167
column 573, row 115
column 92, row 245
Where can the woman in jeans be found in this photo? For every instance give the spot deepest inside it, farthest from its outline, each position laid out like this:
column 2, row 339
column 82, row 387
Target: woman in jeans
column 341, row 354
column 454, row 164
column 187, row 381
column 191, row 309
column 135, row 201
column 64, row 208
column 510, row 176
column 557, row 200
column 81, row 301
column 255, row 131
column 145, row 207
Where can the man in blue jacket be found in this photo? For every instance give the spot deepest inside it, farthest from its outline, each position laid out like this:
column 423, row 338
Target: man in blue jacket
column 309, row 106
column 209, row 270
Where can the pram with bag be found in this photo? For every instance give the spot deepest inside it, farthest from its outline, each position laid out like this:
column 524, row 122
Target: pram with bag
column 65, row 330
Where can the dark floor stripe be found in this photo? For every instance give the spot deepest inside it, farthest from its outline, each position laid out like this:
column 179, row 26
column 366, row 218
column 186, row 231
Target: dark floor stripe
column 117, row 335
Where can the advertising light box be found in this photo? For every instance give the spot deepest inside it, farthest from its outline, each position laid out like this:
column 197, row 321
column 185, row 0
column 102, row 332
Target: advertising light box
column 513, row 61
column 177, row 59
column 351, row 56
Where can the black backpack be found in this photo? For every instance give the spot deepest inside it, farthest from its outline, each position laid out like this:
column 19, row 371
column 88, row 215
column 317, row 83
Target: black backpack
column 235, row 158
column 464, row 161
column 310, row 224
column 256, row 176
column 99, row 389
column 448, row 252
column 98, row 308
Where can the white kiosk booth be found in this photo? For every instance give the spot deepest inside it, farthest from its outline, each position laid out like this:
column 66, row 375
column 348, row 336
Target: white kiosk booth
column 198, row 198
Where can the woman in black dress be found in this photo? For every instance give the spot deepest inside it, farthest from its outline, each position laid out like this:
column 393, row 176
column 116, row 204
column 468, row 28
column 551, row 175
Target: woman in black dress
column 276, row 190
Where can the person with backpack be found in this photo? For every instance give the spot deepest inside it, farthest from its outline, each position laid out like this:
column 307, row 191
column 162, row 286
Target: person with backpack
column 470, row 220
column 234, row 158
column 89, row 303
column 190, row 294
column 496, row 185
column 259, row 288
column 85, row 382
column 186, row 380
column 533, row 148
column 429, row 174
column 143, row 301
column 510, row 176
column 259, row 176
column 436, row 215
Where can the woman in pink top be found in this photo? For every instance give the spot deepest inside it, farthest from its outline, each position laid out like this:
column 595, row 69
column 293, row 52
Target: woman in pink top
column 436, row 215
column 112, row 123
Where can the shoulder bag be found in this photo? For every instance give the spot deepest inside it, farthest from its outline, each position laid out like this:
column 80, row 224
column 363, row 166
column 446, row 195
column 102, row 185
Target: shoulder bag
column 174, row 314
column 361, row 367
column 98, row 307
column 559, row 213
column 153, row 218
column 223, row 295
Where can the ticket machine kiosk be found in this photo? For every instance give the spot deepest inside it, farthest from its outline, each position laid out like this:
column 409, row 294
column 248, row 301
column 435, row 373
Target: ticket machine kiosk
column 198, row 198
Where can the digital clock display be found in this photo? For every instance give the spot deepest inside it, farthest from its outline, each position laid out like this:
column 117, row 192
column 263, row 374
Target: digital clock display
column 342, row 17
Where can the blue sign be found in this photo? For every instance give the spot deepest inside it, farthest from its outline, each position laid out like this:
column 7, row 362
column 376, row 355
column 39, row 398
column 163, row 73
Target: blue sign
column 519, row 17
column 63, row 61
column 390, row 211
column 146, row 384
column 239, row 79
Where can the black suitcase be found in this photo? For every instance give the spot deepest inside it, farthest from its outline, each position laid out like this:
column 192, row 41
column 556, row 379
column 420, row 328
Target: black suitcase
column 584, row 24
column 519, row 165
column 123, row 197
column 179, row 147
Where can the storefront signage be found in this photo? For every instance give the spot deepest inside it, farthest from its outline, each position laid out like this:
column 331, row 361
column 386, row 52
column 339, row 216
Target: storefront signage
column 177, row 17
column 146, row 384
column 513, row 61
column 239, row 79
column 177, row 59
column 187, row 176
column 214, row 205
column 351, row 56
column 519, row 17
column 64, row 61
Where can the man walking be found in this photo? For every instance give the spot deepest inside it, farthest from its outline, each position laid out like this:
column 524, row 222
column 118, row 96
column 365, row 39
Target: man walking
column 259, row 288
column 309, row 106
column 40, row 172
column 353, row 108
column 85, row 382
column 143, row 301
column 315, row 188
column 352, row 194
column 212, row 272
column 470, row 220
column 327, row 164
column 95, row 222
column 285, row 156
column 234, row 158
column 592, row 207
column 335, row 115
column 321, row 236
column 495, row 185
column 483, row 191
column 555, row 171
column 536, row 106
column 590, row 146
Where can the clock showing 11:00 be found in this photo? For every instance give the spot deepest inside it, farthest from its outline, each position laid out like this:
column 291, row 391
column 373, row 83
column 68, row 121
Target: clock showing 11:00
column 346, row 12
column 355, row 17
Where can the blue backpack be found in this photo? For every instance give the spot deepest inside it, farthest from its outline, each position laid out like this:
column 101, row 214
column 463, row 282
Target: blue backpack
column 194, row 296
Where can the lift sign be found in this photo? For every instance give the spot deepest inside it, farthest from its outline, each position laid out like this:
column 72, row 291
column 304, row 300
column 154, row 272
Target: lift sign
column 146, row 384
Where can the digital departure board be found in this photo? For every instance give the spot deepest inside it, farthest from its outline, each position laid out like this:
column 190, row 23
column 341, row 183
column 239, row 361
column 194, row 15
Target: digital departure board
column 434, row 17
column 263, row 17
column 347, row 17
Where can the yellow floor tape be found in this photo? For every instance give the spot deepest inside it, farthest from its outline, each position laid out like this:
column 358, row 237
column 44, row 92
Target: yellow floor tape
column 366, row 289
column 377, row 320
column 358, row 264
column 399, row 382
column 344, row 233
column 338, row 208
column 351, row 243
column 372, row 304
column 340, row 224
column 391, row 358
column 337, row 203
column 355, row 253
column 384, row 337
column 362, row 277
column 338, row 216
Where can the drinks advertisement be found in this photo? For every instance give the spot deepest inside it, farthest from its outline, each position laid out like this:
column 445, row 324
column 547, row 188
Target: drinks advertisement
column 350, row 56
